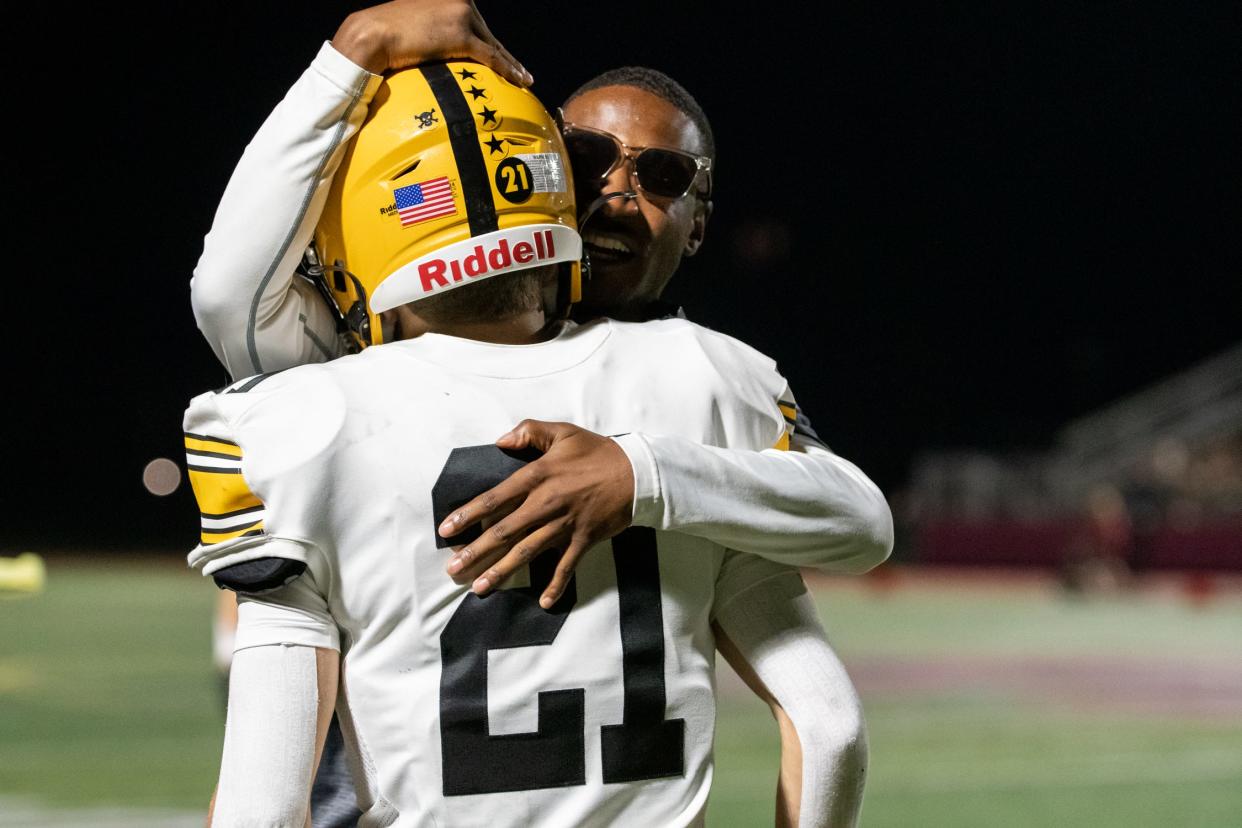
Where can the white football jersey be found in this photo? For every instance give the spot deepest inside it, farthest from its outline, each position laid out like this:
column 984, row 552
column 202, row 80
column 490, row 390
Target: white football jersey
column 491, row 711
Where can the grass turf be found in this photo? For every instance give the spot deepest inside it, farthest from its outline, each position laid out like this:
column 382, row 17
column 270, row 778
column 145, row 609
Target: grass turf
column 107, row 697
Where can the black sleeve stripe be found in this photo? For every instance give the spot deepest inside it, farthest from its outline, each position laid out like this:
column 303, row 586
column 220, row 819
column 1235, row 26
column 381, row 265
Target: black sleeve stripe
column 804, row 429
column 229, row 529
column 213, row 469
column 250, row 383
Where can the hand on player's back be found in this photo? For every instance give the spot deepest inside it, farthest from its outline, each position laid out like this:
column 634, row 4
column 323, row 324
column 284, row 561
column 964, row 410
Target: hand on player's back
column 580, row 492
column 404, row 33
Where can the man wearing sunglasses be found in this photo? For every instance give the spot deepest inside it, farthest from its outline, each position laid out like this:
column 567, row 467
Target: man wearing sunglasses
column 636, row 242
column 813, row 509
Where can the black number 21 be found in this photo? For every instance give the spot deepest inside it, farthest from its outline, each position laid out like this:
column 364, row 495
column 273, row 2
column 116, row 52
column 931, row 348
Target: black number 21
column 644, row 746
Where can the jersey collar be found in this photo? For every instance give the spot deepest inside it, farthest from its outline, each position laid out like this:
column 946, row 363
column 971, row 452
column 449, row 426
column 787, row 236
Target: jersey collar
column 573, row 344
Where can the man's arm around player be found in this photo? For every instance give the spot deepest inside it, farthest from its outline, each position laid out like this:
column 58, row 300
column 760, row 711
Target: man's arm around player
column 806, row 507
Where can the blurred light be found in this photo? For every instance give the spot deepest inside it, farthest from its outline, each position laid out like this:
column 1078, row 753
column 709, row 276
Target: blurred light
column 763, row 243
column 161, row 477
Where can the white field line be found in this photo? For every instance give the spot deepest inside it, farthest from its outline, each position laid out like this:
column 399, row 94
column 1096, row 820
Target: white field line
column 1082, row 772
column 26, row 813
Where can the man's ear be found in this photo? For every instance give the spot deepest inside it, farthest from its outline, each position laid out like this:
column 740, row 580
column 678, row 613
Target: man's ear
column 698, row 227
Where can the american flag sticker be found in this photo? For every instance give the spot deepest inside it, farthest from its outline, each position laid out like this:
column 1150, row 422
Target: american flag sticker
column 425, row 200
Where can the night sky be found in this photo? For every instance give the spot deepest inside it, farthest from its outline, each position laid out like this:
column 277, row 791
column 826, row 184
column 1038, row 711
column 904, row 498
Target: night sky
column 980, row 222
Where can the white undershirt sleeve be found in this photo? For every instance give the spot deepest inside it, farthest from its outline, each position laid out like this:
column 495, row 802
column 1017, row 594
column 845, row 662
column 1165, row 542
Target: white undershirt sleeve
column 776, row 628
column 806, row 507
column 255, row 314
column 270, row 739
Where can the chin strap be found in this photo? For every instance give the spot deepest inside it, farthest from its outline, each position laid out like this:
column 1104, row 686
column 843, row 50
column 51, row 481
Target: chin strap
column 351, row 329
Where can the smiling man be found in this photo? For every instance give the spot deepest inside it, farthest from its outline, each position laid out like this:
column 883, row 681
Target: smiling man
column 635, row 130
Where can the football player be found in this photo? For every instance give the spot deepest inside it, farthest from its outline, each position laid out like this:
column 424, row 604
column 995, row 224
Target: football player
column 258, row 316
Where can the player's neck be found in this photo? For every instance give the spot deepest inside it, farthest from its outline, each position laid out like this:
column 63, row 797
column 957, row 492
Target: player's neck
column 524, row 329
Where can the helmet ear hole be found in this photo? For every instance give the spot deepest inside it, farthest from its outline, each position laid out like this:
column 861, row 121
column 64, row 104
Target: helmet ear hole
column 407, row 170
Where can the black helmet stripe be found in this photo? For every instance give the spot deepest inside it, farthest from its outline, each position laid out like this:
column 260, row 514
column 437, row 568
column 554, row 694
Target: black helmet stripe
column 467, row 152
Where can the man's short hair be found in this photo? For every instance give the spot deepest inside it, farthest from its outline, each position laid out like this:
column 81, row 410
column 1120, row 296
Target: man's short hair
column 660, row 85
column 499, row 297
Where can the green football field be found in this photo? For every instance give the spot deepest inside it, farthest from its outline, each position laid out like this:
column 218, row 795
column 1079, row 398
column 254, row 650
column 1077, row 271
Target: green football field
column 989, row 703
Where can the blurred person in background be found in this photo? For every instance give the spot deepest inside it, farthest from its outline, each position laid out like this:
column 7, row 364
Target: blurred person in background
column 1098, row 559
column 259, row 317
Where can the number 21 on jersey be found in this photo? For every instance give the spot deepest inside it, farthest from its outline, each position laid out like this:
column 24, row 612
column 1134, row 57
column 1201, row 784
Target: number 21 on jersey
column 644, row 745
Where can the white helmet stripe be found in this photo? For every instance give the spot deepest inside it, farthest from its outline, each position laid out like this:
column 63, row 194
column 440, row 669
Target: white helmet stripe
column 480, row 257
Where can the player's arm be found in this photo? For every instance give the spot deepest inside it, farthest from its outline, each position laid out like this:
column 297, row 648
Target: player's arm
column 806, row 506
column 789, row 779
column 254, row 312
column 800, row 504
column 768, row 629
column 281, row 695
column 254, row 540
column 256, row 315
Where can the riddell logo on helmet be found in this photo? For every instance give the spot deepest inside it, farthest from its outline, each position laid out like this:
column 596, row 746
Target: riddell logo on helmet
column 475, row 258
column 437, row 273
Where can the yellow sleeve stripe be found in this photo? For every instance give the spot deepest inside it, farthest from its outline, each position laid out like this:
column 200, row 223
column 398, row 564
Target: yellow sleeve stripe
column 213, row 445
column 790, row 412
column 222, row 493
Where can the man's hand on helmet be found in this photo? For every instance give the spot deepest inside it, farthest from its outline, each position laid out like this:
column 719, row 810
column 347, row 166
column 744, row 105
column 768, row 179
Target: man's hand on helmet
column 580, row 492
column 405, row 33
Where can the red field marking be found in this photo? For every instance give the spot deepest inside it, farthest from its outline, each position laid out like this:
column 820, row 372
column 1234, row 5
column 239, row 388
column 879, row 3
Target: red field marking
column 1084, row 683
column 1010, row 580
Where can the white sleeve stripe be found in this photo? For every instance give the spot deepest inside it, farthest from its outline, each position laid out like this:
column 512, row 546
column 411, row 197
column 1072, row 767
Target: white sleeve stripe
column 232, row 523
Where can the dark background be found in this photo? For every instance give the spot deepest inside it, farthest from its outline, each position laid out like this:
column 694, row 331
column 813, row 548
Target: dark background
column 982, row 221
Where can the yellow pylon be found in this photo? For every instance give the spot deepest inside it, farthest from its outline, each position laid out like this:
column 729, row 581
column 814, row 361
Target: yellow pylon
column 23, row 574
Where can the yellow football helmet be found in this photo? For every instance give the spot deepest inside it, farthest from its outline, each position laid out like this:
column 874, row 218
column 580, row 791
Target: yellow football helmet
column 456, row 175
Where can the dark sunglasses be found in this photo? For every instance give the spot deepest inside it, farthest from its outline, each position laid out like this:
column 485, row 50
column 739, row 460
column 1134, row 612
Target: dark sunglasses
column 663, row 172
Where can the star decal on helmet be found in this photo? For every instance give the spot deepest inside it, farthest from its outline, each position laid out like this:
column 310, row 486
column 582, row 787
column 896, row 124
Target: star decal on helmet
column 466, row 74
column 488, row 115
column 495, row 144
column 475, row 92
